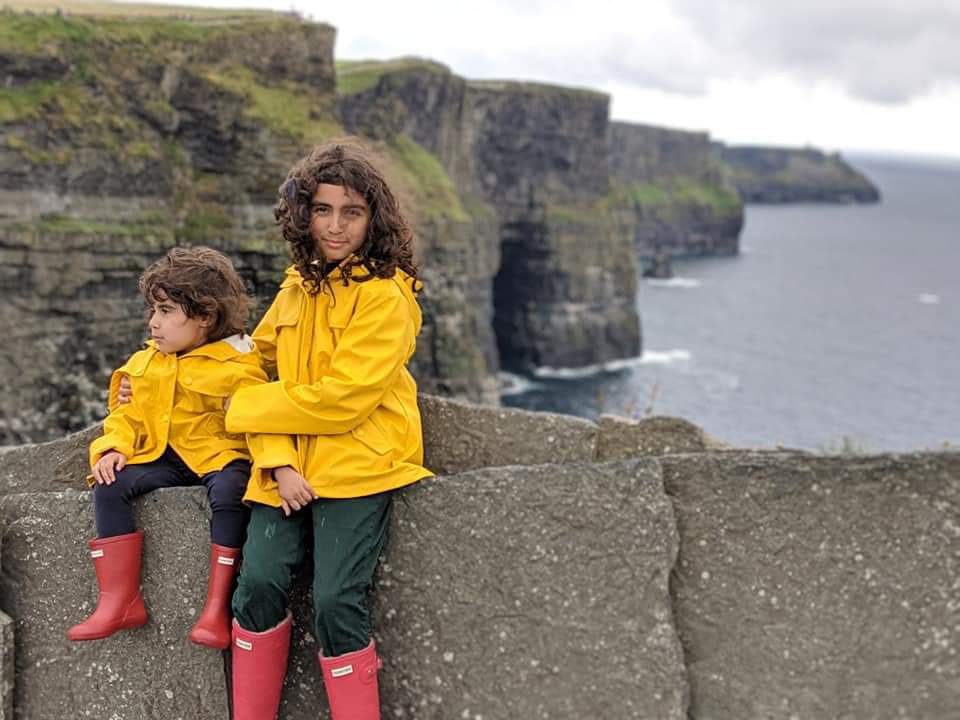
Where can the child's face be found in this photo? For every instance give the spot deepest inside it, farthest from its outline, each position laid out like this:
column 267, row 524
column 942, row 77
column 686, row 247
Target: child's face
column 172, row 330
column 339, row 218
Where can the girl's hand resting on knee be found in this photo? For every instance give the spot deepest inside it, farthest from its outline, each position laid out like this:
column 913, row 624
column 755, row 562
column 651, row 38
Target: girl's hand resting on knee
column 295, row 491
column 106, row 468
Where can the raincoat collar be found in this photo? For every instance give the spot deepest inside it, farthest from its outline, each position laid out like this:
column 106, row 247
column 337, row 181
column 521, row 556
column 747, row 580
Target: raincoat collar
column 293, row 278
column 230, row 348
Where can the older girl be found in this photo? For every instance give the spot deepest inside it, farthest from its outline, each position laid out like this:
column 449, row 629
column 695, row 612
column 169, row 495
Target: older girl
column 337, row 339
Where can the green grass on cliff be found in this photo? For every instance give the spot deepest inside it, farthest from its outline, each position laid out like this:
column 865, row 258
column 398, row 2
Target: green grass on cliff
column 424, row 177
column 659, row 195
column 150, row 225
column 284, row 109
column 103, row 8
column 357, row 76
column 26, row 102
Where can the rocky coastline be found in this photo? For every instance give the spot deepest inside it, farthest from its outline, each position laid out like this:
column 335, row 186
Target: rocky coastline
column 772, row 175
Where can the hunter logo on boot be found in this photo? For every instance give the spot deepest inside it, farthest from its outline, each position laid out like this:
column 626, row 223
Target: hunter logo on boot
column 341, row 671
column 244, row 644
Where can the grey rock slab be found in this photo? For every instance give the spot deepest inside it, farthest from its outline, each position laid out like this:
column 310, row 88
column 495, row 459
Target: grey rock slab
column 48, row 584
column 459, row 436
column 6, row 666
column 531, row 592
column 56, row 465
column 621, row 438
column 818, row 587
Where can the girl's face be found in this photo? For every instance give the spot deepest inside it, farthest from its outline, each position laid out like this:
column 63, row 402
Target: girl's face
column 339, row 218
column 172, row 330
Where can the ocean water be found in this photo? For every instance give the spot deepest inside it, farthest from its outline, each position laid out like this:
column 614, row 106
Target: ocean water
column 836, row 326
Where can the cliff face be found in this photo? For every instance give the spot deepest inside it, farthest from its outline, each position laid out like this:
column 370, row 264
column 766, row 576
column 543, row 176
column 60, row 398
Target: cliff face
column 683, row 202
column 122, row 138
column 533, row 159
column 782, row 175
column 564, row 294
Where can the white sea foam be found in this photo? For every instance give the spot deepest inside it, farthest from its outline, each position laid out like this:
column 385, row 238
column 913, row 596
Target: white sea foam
column 585, row 371
column 649, row 357
column 511, row 384
column 677, row 282
column 928, row 299
column 665, row 357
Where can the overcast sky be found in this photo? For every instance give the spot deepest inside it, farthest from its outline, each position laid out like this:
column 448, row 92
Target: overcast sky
column 842, row 75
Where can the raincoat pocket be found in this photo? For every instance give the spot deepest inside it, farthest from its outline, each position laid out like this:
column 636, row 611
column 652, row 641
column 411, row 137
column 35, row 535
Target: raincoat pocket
column 372, row 437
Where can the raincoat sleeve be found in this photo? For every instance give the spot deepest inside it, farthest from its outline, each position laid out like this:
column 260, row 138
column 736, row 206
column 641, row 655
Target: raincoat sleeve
column 268, row 450
column 368, row 359
column 120, row 428
column 265, row 339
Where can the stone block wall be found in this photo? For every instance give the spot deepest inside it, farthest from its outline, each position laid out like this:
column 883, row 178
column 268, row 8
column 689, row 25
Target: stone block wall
column 694, row 584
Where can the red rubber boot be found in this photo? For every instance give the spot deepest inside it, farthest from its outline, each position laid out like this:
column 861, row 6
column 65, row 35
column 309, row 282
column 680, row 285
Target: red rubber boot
column 212, row 629
column 116, row 561
column 259, row 664
column 351, row 683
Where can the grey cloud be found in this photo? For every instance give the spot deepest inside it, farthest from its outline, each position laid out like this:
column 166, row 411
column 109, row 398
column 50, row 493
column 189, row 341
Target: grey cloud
column 886, row 52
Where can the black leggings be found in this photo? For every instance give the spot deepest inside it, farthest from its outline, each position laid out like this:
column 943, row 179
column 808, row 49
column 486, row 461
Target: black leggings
column 225, row 488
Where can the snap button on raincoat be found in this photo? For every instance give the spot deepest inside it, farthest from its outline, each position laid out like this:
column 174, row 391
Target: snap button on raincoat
column 343, row 398
column 178, row 401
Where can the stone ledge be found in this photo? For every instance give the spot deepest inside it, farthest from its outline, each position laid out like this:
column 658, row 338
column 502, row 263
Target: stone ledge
column 48, row 584
column 816, row 587
column 458, row 436
column 501, row 589
column 7, row 666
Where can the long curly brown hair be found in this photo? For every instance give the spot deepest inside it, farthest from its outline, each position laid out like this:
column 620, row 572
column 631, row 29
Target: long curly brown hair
column 389, row 241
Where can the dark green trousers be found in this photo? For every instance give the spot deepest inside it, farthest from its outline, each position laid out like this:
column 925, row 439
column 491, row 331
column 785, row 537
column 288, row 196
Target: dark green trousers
column 347, row 536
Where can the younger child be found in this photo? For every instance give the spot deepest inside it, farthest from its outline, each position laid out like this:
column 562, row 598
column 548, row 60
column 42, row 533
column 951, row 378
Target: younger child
column 171, row 433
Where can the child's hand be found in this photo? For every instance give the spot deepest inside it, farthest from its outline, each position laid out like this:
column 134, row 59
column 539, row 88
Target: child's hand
column 106, row 468
column 125, row 392
column 226, row 404
column 295, row 491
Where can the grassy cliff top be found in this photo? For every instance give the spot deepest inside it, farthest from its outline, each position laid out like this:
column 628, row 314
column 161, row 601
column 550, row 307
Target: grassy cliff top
column 356, row 76
column 100, row 8
column 36, row 28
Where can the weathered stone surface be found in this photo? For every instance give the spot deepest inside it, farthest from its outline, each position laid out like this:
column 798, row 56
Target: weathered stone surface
column 55, row 465
column 7, row 663
column 813, row 587
column 621, row 438
column 7, row 666
column 532, row 593
column 782, row 175
column 48, row 584
column 502, row 590
column 459, row 436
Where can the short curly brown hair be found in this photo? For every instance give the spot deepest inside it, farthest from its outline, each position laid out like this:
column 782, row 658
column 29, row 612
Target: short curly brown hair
column 204, row 283
column 389, row 241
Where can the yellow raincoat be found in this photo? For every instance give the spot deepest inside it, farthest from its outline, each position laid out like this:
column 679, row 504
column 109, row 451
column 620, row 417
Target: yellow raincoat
column 178, row 401
column 342, row 393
